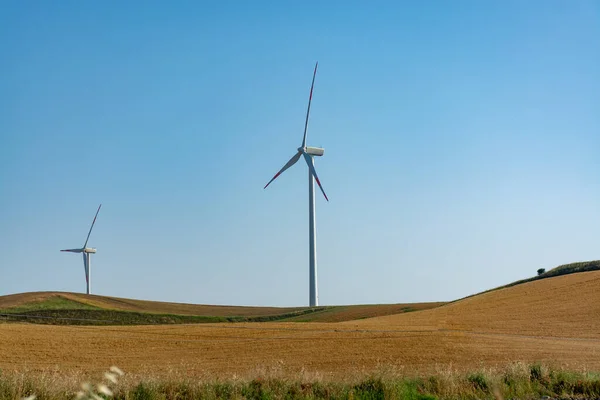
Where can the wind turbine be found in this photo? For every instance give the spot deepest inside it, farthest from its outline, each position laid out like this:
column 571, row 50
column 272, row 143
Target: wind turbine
column 309, row 153
column 87, row 251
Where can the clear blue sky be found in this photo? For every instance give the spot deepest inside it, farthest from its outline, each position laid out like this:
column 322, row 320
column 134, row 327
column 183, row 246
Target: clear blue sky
column 461, row 142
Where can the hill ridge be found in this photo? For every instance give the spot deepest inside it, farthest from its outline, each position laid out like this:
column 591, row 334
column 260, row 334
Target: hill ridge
column 68, row 306
column 75, row 308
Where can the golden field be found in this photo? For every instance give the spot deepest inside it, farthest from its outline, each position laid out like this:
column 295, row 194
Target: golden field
column 555, row 321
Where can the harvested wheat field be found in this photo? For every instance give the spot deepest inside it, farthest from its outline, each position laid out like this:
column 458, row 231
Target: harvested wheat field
column 553, row 321
column 566, row 306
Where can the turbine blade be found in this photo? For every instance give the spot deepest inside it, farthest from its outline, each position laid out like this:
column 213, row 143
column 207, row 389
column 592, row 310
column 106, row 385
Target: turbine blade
column 309, row 100
column 314, row 173
column 292, row 161
column 73, row 250
column 92, row 227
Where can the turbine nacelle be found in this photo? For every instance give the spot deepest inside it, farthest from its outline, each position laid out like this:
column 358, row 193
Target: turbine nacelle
column 313, row 151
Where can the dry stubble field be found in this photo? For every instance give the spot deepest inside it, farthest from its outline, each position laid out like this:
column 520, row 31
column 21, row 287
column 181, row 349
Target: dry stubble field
column 555, row 321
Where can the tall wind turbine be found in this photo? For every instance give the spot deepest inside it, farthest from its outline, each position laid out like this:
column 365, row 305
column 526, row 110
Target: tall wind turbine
column 87, row 251
column 309, row 153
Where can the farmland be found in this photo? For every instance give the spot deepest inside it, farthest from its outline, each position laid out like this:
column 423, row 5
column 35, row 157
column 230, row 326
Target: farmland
column 77, row 309
column 555, row 321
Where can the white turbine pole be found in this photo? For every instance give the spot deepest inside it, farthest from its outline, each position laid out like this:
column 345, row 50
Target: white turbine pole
column 313, row 296
column 86, row 268
column 89, row 265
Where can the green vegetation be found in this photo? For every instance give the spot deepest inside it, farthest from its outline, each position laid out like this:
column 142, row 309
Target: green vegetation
column 52, row 303
column 101, row 317
column 572, row 268
column 516, row 381
column 59, row 310
column 560, row 270
column 115, row 317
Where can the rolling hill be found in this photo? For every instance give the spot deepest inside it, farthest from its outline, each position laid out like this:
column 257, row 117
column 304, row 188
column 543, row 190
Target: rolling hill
column 560, row 306
column 79, row 309
column 527, row 303
column 44, row 300
column 554, row 321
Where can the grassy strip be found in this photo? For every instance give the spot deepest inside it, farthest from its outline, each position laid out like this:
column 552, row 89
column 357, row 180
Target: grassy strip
column 53, row 303
column 321, row 316
column 310, row 317
column 115, row 317
column 565, row 269
column 517, row 381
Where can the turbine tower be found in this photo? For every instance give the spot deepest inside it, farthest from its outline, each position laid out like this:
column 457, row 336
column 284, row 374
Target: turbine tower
column 309, row 153
column 87, row 252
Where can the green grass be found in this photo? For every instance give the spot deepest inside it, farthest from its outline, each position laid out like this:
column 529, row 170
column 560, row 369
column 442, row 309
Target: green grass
column 97, row 316
column 517, row 381
column 328, row 314
column 58, row 310
column 572, row 268
column 311, row 317
column 52, row 303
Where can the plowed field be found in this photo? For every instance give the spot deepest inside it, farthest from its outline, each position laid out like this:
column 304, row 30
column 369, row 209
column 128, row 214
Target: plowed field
column 116, row 303
column 555, row 321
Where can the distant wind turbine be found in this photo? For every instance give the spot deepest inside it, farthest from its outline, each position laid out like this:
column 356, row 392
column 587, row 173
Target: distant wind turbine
column 87, row 251
column 308, row 153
